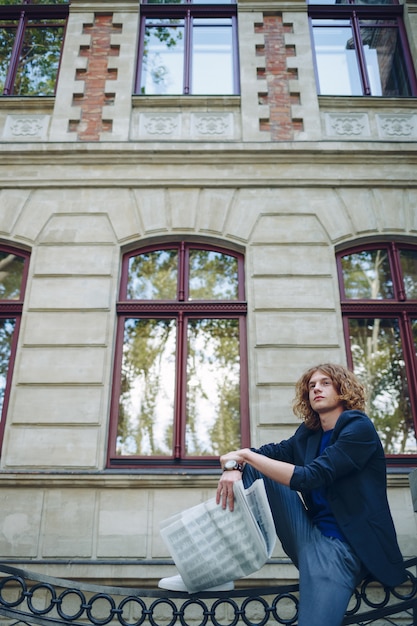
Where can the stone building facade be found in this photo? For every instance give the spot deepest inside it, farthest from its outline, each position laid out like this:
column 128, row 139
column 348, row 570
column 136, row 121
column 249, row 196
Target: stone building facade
column 278, row 174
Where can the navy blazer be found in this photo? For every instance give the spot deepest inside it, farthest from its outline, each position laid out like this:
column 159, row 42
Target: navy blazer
column 353, row 471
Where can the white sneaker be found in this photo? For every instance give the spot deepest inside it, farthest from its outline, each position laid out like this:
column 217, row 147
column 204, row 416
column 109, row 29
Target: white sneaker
column 176, row 583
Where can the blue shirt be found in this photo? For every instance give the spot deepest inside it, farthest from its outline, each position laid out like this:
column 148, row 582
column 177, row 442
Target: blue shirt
column 321, row 512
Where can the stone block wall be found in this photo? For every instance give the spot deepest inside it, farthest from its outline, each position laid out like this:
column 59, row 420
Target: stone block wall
column 61, row 510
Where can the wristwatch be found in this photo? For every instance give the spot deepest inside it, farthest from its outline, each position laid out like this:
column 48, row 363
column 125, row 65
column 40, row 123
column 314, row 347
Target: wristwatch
column 233, row 465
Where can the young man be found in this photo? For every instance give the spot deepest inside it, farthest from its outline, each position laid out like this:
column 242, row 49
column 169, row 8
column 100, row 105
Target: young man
column 342, row 528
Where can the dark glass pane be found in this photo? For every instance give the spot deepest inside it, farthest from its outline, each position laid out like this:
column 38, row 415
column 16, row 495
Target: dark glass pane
column 379, row 2
column 379, row 362
column 408, row 260
column 6, row 335
column 146, row 405
column 337, row 65
column 385, row 63
column 49, row 2
column 212, row 62
column 11, row 273
column 39, row 60
column 153, row 276
column 165, row 1
column 367, row 275
column 213, row 276
column 7, row 37
column 213, row 2
column 19, row 2
column 163, row 58
column 213, row 387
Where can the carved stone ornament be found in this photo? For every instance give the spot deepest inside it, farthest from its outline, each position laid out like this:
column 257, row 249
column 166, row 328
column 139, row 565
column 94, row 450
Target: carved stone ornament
column 160, row 124
column 400, row 126
column 347, row 125
column 26, row 127
column 211, row 124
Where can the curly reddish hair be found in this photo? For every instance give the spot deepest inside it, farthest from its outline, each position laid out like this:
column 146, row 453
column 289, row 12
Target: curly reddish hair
column 351, row 392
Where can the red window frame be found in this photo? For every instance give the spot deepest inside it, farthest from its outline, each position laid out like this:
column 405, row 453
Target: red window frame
column 21, row 14
column 178, row 309
column 187, row 11
column 356, row 13
column 397, row 307
column 12, row 309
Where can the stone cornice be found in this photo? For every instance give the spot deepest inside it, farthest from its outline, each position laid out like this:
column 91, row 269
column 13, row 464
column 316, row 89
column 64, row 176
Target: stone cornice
column 141, row 165
column 87, row 480
column 150, row 480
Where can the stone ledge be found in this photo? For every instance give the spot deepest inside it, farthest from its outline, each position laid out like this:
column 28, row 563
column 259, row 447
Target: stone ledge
column 146, row 479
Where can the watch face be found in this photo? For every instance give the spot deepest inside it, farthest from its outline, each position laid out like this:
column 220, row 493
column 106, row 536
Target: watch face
column 230, row 465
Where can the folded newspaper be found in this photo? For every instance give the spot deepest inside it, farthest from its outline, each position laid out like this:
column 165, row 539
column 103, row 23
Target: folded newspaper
column 211, row 545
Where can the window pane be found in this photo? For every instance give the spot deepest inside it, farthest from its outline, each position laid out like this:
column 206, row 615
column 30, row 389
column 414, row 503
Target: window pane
column 6, row 336
column 366, row 275
column 48, row 1
column 379, row 362
column 17, row 2
column 153, row 276
column 384, row 59
column 352, row 2
column 213, row 276
column 337, row 65
column 11, row 273
column 146, row 406
column 39, row 60
column 408, row 259
column 163, row 58
column 7, row 37
column 212, row 63
column 213, row 387
column 164, row 1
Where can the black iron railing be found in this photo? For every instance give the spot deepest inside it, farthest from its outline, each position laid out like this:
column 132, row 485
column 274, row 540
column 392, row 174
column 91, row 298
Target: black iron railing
column 30, row 598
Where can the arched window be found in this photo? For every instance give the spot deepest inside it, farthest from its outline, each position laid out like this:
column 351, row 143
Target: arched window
column 13, row 275
column 180, row 385
column 378, row 284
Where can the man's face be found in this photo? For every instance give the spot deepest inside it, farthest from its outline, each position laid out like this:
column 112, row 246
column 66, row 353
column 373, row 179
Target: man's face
column 322, row 394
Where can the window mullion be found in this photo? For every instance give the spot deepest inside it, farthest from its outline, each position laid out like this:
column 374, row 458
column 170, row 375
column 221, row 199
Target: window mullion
column 360, row 54
column 15, row 56
column 187, row 52
column 180, row 388
column 397, row 273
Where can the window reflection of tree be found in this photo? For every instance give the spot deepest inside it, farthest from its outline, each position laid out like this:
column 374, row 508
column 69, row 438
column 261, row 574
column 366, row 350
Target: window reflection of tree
column 377, row 347
column 170, row 36
column 181, row 370
column 30, row 68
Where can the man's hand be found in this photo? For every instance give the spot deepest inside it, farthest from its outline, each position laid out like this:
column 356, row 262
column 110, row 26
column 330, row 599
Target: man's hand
column 224, row 493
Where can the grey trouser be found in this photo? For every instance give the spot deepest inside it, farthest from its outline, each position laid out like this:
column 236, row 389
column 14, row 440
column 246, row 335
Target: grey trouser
column 328, row 568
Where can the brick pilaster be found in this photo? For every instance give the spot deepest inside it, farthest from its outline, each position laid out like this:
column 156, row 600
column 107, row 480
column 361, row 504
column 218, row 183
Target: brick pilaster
column 279, row 99
column 94, row 99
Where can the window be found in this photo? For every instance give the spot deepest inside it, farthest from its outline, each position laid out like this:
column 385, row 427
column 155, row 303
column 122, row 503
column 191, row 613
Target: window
column 188, row 48
column 31, row 37
column 378, row 286
column 361, row 49
column 13, row 273
column 180, row 390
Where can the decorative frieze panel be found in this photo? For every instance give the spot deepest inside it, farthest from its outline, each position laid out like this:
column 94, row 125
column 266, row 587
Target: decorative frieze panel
column 400, row 127
column 160, row 126
column 347, row 125
column 186, row 125
column 26, row 127
column 211, row 125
